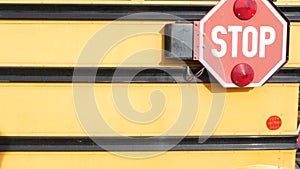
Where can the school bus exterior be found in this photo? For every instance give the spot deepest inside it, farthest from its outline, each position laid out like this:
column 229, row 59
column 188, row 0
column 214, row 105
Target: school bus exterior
column 140, row 109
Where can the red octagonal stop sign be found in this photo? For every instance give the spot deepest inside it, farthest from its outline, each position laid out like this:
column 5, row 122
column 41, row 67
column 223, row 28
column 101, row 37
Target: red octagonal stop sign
column 243, row 48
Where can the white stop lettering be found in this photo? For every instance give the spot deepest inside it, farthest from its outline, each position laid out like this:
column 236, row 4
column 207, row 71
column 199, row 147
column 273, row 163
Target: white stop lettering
column 262, row 39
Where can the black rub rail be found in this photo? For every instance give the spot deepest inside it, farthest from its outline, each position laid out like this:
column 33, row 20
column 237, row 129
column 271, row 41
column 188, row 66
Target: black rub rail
column 124, row 75
column 172, row 143
column 115, row 11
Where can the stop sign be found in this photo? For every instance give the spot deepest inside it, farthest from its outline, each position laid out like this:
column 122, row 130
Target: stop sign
column 243, row 42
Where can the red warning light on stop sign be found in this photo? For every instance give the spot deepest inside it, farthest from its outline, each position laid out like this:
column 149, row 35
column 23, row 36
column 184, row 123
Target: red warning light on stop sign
column 259, row 39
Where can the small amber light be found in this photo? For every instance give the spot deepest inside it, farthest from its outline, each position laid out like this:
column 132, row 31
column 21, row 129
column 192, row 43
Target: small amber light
column 274, row 122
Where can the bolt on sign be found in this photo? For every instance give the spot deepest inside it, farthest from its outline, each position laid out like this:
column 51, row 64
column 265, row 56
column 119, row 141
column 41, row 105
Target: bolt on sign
column 242, row 43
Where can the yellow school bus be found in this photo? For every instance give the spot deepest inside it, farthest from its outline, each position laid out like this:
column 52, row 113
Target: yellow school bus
column 87, row 84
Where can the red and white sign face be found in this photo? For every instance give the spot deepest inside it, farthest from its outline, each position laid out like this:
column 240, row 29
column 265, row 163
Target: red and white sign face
column 227, row 41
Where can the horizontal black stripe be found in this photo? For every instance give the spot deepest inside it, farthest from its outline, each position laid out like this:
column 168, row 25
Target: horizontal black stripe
column 123, row 75
column 148, row 143
column 286, row 75
column 112, row 12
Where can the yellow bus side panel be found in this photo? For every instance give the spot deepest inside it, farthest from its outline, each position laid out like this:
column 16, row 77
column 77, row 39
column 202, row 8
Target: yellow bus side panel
column 61, row 43
column 58, row 109
column 294, row 51
column 202, row 2
column 108, row 2
column 175, row 160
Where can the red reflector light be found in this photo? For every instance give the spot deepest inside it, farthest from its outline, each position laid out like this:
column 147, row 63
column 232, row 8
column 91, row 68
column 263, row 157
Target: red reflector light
column 274, row 122
column 244, row 9
column 242, row 74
